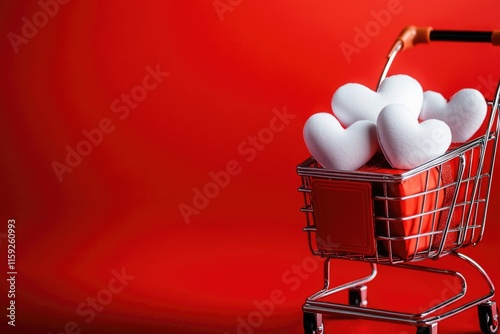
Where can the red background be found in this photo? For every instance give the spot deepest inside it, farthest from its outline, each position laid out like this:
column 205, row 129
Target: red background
column 119, row 208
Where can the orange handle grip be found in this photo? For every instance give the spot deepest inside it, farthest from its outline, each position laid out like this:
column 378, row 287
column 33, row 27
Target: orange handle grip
column 411, row 35
column 495, row 37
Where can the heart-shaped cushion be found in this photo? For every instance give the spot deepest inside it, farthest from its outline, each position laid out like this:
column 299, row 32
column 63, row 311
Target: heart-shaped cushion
column 337, row 148
column 464, row 113
column 354, row 102
column 405, row 142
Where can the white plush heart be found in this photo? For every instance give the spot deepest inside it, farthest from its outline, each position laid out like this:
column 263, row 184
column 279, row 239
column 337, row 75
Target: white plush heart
column 354, row 102
column 337, row 148
column 464, row 114
column 407, row 144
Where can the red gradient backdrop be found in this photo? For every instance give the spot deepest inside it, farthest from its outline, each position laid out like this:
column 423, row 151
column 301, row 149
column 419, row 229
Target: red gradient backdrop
column 229, row 73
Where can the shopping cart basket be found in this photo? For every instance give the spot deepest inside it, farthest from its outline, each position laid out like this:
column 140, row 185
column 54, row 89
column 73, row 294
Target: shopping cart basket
column 404, row 217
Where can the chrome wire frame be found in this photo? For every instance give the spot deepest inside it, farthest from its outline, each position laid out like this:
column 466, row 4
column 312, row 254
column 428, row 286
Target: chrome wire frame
column 477, row 191
column 428, row 318
column 471, row 223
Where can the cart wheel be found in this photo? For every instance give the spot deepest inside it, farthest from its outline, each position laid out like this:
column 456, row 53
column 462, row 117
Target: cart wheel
column 488, row 317
column 432, row 329
column 313, row 323
column 358, row 296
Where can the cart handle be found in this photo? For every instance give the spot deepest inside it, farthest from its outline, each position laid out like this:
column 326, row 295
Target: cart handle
column 413, row 35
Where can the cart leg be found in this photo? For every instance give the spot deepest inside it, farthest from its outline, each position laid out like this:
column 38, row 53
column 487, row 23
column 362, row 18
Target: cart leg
column 488, row 317
column 313, row 323
column 358, row 296
column 430, row 329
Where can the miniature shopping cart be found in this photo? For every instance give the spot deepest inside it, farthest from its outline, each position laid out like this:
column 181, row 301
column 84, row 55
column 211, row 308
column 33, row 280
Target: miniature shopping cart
column 401, row 218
